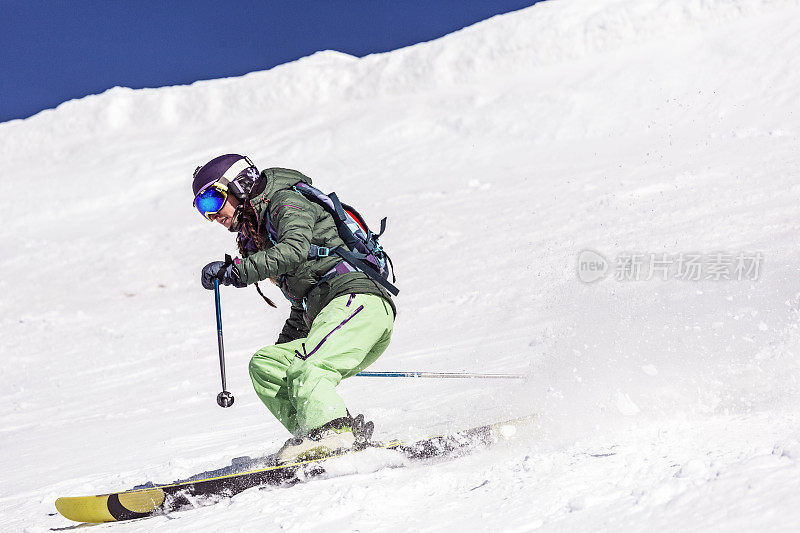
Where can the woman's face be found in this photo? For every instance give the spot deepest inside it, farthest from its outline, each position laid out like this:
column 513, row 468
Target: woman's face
column 225, row 214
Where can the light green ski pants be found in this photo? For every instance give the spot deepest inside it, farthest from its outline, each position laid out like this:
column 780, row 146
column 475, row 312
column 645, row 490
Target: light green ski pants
column 297, row 380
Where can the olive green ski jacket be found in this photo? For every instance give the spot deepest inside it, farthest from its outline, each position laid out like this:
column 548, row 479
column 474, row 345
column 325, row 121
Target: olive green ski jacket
column 299, row 223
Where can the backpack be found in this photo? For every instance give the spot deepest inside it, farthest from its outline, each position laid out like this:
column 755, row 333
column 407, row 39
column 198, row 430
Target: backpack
column 362, row 249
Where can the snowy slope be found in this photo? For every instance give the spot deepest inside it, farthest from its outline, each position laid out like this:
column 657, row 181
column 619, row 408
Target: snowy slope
column 499, row 153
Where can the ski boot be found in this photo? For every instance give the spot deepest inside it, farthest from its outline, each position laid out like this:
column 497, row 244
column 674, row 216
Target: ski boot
column 337, row 437
column 362, row 432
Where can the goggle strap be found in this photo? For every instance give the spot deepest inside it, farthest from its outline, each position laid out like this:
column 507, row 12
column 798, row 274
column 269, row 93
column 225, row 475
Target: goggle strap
column 235, row 169
column 229, row 185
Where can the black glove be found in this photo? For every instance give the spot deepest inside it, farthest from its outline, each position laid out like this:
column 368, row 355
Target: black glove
column 225, row 271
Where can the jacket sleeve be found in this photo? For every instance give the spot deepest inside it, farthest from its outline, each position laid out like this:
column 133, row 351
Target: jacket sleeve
column 293, row 217
column 295, row 326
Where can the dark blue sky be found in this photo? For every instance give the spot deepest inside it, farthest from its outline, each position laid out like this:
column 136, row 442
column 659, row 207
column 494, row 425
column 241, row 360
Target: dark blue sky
column 52, row 51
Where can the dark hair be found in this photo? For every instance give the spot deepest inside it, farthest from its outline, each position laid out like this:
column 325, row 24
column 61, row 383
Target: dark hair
column 250, row 225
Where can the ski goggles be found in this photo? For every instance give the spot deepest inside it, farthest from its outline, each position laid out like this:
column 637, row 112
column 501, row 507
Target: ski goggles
column 211, row 199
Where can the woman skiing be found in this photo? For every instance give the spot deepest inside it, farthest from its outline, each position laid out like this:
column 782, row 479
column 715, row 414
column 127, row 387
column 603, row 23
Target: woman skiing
column 341, row 319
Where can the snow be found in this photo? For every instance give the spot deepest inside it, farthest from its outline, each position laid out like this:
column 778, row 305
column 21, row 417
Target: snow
column 499, row 154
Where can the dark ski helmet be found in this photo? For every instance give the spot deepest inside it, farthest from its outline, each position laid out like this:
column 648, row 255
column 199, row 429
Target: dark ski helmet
column 227, row 174
column 234, row 171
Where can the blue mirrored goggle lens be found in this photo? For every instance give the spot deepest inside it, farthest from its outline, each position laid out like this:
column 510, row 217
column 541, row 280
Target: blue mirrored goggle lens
column 209, row 201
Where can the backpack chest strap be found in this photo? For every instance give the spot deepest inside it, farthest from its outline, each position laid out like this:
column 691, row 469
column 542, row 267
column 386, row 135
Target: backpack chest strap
column 318, row 252
column 354, row 261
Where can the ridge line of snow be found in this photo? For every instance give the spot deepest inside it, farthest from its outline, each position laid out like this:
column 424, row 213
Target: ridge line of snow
column 544, row 33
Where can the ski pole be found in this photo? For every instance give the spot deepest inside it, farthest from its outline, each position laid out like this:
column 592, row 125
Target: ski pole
column 224, row 398
column 467, row 375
